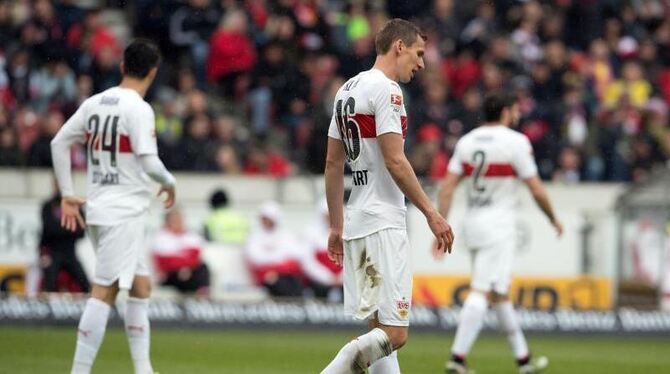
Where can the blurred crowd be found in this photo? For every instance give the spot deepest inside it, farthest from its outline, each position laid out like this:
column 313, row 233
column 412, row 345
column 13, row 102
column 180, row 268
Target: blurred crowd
column 246, row 86
column 276, row 259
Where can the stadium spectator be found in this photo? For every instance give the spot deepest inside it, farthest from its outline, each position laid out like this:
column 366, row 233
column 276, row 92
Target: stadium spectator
column 53, row 85
column 177, row 255
column 190, row 28
column 40, row 151
column 61, row 270
column 10, row 153
column 224, row 225
column 273, row 254
column 325, row 277
column 541, row 50
column 231, row 55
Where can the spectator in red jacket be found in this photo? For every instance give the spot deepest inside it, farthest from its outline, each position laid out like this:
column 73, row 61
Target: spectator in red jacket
column 176, row 254
column 232, row 55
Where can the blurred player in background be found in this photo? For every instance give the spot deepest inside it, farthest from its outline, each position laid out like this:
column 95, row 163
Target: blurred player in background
column 367, row 131
column 492, row 158
column 117, row 126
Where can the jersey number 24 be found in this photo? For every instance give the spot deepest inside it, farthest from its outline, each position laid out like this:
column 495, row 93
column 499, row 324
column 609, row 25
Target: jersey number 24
column 105, row 140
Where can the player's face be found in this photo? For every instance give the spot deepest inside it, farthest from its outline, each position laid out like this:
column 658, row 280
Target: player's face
column 410, row 60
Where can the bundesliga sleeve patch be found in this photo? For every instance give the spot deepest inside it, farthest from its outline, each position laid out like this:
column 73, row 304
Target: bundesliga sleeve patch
column 396, row 99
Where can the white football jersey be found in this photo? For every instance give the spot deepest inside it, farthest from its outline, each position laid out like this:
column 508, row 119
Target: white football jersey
column 366, row 106
column 493, row 159
column 117, row 126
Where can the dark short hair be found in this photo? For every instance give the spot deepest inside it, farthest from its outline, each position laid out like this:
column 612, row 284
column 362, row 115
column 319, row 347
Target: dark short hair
column 494, row 103
column 219, row 199
column 397, row 29
column 139, row 57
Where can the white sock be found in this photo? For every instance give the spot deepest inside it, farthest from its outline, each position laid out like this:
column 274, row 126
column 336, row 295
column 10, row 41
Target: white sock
column 510, row 325
column 357, row 355
column 138, row 332
column 91, row 331
column 386, row 365
column 472, row 317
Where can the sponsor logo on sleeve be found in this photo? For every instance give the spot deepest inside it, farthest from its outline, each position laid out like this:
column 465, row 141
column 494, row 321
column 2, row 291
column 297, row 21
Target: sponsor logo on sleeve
column 396, row 99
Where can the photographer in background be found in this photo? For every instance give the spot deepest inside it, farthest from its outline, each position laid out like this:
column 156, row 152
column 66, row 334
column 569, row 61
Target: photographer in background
column 61, row 271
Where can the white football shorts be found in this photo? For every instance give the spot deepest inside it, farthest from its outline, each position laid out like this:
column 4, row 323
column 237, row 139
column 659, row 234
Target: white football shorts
column 378, row 277
column 119, row 252
column 492, row 266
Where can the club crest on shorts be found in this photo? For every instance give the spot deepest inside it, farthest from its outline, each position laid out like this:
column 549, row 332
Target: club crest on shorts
column 403, row 308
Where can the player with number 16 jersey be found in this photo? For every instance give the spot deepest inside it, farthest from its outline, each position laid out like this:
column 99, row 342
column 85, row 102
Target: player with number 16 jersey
column 367, row 106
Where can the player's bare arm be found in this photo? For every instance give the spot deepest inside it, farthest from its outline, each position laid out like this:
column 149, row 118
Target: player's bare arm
column 444, row 198
column 391, row 145
column 334, row 178
column 539, row 193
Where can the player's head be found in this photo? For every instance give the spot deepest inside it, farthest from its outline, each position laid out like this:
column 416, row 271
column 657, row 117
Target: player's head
column 219, row 199
column 501, row 107
column 405, row 42
column 140, row 60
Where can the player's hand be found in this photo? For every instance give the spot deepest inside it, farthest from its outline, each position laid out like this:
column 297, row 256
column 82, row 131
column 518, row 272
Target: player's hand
column 70, row 213
column 335, row 247
column 558, row 226
column 169, row 192
column 438, row 254
column 442, row 231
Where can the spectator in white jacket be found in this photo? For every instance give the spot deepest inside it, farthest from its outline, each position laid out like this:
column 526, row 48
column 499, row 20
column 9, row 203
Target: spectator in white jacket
column 273, row 254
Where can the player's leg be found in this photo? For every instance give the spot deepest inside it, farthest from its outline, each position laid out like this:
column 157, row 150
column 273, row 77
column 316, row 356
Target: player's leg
column 474, row 309
column 92, row 326
column 388, row 364
column 136, row 320
column 93, row 321
column 136, row 278
column 507, row 319
column 362, row 283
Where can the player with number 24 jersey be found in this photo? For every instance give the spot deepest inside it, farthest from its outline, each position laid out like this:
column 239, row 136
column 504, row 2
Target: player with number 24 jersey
column 117, row 126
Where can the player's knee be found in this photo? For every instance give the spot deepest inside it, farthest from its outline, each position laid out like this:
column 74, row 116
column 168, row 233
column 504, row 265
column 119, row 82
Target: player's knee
column 397, row 337
column 106, row 294
column 141, row 288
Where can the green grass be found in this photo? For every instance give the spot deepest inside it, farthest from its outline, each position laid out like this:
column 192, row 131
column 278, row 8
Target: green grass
column 49, row 350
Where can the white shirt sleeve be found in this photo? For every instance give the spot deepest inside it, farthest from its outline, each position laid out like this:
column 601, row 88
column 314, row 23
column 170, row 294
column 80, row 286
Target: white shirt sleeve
column 387, row 102
column 153, row 166
column 333, row 131
column 73, row 131
column 455, row 163
column 142, row 131
column 524, row 162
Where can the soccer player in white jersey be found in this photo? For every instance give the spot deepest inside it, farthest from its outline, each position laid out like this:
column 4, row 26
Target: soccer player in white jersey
column 367, row 131
column 492, row 159
column 117, row 126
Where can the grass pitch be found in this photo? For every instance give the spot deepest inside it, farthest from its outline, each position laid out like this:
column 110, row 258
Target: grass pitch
column 49, row 350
